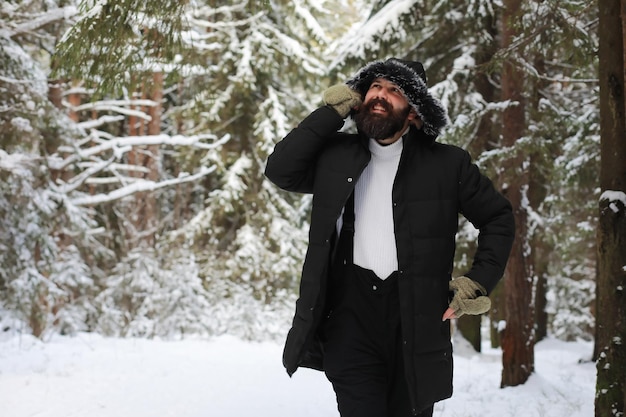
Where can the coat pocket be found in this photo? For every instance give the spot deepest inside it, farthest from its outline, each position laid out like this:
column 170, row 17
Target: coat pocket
column 433, row 375
column 430, row 334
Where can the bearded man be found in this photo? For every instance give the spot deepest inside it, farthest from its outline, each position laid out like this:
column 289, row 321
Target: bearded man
column 376, row 293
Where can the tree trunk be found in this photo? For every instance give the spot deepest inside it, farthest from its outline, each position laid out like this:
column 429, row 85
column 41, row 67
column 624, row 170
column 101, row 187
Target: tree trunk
column 541, row 302
column 144, row 213
column 469, row 326
column 153, row 161
column 55, row 93
column 74, row 99
column 518, row 337
column 485, row 139
column 496, row 315
column 537, row 191
column 611, row 280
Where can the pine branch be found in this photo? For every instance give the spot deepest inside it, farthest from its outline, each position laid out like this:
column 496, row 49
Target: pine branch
column 119, row 146
column 37, row 22
column 115, row 45
column 140, row 185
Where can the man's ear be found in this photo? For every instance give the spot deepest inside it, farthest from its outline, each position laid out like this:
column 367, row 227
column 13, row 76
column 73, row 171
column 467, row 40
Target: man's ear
column 414, row 119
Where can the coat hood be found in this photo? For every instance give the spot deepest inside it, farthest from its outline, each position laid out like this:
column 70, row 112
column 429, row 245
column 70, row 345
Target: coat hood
column 410, row 77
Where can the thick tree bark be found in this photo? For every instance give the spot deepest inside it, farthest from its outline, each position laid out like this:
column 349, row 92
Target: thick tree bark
column 144, row 212
column 611, row 280
column 518, row 337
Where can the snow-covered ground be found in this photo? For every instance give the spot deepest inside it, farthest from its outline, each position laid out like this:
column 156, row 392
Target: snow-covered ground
column 91, row 376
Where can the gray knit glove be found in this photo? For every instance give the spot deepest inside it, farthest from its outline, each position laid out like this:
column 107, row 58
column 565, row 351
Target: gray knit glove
column 342, row 98
column 469, row 297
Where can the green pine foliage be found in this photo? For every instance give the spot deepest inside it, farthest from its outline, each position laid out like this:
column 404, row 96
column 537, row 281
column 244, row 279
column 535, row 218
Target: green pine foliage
column 116, row 45
column 253, row 68
column 46, row 255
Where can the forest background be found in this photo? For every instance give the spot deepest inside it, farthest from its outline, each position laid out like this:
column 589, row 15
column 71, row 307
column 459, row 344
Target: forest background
column 134, row 138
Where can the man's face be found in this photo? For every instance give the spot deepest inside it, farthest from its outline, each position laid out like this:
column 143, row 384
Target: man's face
column 384, row 112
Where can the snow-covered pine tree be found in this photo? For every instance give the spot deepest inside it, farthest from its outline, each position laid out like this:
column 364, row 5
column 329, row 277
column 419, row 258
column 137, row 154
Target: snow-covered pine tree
column 148, row 296
column 245, row 68
column 262, row 69
column 123, row 53
column 54, row 265
column 45, row 252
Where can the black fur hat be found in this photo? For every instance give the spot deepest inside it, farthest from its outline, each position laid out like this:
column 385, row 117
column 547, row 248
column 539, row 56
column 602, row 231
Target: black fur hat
column 410, row 77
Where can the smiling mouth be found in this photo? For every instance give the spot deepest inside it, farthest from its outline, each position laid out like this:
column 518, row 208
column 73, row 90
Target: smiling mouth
column 377, row 108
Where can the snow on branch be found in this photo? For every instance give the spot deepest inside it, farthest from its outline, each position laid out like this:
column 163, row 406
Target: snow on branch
column 105, row 106
column 120, row 145
column 90, row 158
column 92, row 124
column 367, row 37
column 139, row 185
column 80, row 179
column 36, row 22
column 224, row 24
column 15, row 161
column 614, row 197
column 14, row 80
column 209, row 13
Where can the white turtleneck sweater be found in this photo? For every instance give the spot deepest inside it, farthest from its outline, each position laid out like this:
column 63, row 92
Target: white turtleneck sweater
column 374, row 237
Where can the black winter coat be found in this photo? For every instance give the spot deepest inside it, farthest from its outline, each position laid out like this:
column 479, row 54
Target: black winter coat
column 434, row 183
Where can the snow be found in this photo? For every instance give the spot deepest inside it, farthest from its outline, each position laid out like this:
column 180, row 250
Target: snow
column 613, row 197
column 140, row 185
column 368, row 35
column 14, row 162
column 88, row 375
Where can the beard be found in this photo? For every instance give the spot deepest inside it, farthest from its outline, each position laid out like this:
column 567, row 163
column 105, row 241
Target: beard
column 380, row 126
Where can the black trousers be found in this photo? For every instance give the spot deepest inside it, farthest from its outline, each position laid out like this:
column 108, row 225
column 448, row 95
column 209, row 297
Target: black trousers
column 362, row 346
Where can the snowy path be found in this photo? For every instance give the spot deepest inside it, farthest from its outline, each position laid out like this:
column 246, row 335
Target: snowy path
column 90, row 376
